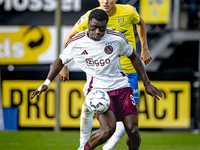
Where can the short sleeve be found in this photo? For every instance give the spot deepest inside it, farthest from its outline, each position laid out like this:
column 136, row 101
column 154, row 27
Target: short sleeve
column 136, row 16
column 126, row 47
column 67, row 54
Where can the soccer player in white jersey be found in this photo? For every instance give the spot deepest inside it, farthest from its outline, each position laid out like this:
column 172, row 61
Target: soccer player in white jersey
column 121, row 18
column 97, row 52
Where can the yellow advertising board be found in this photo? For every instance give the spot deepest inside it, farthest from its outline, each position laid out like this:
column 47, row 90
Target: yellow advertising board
column 25, row 44
column 171, row 112
column 155, row 11
column 32, row 112
column 174, row 111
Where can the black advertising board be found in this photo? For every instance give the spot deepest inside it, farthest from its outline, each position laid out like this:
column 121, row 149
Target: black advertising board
column 41, row 12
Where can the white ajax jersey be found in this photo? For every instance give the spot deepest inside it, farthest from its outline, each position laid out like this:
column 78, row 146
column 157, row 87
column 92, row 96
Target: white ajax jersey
column 100, row 60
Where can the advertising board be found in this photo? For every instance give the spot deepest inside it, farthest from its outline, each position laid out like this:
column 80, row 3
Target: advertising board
column 174, row 111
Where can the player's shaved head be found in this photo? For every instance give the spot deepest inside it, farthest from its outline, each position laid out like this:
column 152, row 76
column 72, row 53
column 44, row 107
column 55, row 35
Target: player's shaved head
column 99, row 15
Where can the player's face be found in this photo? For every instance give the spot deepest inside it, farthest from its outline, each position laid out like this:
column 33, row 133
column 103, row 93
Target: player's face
column 96, row 29
column 107, row 5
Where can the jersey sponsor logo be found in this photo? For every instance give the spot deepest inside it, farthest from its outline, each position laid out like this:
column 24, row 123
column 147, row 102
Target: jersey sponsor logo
column 101, row 62
column 79, row 21
column 84, row 52
column 114, row 29
column 82, row 18
column 123, row 31
column 108, row 49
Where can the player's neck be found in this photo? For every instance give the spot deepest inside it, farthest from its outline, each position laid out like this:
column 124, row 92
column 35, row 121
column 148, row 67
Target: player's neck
column 112, row 11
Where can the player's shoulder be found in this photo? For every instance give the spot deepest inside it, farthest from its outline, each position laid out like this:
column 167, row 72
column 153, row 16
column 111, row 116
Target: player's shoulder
column 79, row 36
column 116, row 34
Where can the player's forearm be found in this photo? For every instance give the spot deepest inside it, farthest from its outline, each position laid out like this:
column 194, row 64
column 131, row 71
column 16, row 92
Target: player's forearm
column 141, row 29
column 139, row 68
column 55, row 69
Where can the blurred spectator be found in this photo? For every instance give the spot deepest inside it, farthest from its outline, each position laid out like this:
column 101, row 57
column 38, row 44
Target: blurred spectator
column 193, row 19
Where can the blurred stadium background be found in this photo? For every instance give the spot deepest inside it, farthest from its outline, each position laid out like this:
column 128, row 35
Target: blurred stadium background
column 32, row 35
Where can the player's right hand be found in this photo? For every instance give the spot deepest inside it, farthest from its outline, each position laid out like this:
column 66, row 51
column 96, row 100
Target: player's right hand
column 153, row 91
column 37, row 92
column 64, row 74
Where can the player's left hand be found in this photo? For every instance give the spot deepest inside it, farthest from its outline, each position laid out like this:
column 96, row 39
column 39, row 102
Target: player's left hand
column 153, row 91
column 64, row 74
column 37, row 92
column 146, row 56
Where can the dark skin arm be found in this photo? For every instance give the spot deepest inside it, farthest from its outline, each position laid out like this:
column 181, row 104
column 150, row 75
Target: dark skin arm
column 55, row 69
column 149, row 88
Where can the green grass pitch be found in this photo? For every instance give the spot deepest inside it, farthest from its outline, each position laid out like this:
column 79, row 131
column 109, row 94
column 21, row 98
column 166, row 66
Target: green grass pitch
column 69, row 140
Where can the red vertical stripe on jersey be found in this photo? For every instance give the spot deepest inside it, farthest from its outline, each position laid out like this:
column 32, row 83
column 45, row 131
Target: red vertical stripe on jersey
column 90, row 85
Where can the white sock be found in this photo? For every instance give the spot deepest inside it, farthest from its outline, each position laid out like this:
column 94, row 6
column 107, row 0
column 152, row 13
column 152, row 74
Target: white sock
column 119, row 132
column 85, row 125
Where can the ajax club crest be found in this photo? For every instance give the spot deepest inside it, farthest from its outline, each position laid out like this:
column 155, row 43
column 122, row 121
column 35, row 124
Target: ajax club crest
column 108, row 49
